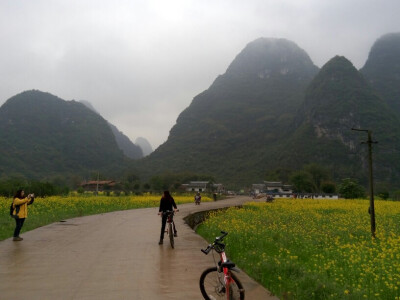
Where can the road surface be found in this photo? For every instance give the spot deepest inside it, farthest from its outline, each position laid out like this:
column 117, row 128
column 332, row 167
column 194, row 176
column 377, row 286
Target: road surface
column 111, row 256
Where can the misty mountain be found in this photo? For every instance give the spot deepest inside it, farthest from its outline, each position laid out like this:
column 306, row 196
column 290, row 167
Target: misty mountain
column 89, row 105
column 42, row 135
column 274, row 109
column 338, row 99
column 144, row 145
column 124, row 143
column 233, row 128
column 382, row 69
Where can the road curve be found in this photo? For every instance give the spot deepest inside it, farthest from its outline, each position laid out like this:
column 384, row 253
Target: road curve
column 111, row 256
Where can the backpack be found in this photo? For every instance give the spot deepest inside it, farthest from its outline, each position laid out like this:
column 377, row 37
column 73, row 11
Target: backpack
column 12, row 210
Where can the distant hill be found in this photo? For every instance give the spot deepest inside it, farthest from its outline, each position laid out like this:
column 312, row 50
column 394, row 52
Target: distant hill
column 231, row 130
column 145, row 145
column 272, row 109
column 124, row 143
column 382, row 69
column 338, row 99
column 42, row 135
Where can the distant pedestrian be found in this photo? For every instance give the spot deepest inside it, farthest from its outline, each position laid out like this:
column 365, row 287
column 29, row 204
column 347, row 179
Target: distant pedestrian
column 197, row 198
column 167, row 203
column 20, row 211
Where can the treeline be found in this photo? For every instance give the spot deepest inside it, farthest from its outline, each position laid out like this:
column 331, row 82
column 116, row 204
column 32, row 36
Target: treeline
column 132, row 183
column 8, row 187
column 128, row 183
column 314, row 178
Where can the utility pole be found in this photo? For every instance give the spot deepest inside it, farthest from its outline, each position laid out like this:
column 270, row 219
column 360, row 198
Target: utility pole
column 371, row 209
column 97, row 184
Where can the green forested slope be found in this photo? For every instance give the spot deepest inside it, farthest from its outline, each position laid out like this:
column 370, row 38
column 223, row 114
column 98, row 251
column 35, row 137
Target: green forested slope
column 271, row 110
column 42, row 135
column 382, row 69
column 338, row 99
column 232, row 129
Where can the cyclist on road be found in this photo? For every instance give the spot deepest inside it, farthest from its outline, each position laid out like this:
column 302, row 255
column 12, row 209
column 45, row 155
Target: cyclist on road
column 167, row 203
column 197, row 198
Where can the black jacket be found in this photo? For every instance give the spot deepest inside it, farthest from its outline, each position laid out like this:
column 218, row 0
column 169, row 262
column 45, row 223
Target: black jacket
column 167, row 204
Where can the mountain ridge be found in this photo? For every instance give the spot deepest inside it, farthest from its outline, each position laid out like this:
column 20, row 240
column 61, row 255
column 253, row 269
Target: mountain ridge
column 236, row 115
column 124, row 143
column 382, row 69
column 43, row 135
column 272, row 108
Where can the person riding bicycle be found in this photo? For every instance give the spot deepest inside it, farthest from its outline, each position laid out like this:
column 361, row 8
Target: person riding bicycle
column 197, row 198
column 167, row 203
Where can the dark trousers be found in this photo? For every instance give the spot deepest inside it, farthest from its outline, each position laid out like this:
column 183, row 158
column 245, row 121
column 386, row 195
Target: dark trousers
column 163, row 223
column 18, row 226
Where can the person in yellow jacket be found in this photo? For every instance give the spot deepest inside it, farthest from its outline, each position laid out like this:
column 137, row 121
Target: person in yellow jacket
column 20, row 212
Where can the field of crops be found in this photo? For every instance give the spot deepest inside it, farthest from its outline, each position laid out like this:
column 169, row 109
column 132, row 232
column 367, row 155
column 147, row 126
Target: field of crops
column 315, row 249
column 53, row 209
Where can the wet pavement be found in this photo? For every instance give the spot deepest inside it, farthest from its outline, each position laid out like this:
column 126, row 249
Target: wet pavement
column 111, row 256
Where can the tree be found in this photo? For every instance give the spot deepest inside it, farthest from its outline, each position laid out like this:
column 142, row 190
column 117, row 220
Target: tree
column 350, row 189
column 382, row 190
column 328, row 187
column 302, row 182
column 158, row 183
column 146, row 186
column 395, row 195
column 318, row 174
column 279, row 174
column 384, row 195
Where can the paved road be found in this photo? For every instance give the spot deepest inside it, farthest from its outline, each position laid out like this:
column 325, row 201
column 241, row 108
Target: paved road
column 111, row 256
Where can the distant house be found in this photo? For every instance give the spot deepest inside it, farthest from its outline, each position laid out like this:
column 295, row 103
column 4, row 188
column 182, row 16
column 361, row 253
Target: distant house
column 272, row 187
column 258, row 188
column 203, row 186
column 278, row 187
column 98, row 185
column 316, row 196
column 218, row 188
column 196, row 186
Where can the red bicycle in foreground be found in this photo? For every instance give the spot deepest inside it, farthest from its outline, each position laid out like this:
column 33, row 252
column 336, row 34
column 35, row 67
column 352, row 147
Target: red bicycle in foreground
column 219, row 282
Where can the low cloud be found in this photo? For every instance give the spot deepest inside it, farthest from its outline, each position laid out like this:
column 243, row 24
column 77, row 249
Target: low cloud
column 140, row 63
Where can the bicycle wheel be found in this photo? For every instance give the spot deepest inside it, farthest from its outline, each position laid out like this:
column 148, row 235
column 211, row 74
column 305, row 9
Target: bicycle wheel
column 171, row 234
column 212, row 286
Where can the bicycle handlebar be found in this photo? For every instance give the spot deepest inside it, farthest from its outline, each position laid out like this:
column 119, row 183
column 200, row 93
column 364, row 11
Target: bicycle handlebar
column 220, row 238
column 217, row 242
column 169, row 211
column 206, row 251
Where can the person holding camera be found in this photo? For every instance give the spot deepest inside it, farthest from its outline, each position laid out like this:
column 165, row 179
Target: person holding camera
column 20, row 211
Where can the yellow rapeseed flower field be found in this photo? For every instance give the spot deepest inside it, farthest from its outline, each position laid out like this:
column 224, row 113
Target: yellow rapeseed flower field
column 315, row 249
column 55, row 208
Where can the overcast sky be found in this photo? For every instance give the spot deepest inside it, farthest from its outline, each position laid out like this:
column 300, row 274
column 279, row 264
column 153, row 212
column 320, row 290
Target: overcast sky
column 140, row 63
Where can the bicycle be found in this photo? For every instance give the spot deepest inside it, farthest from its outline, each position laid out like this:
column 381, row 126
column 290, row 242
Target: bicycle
column 169, row 230
column 197, row 199
column 219, row 282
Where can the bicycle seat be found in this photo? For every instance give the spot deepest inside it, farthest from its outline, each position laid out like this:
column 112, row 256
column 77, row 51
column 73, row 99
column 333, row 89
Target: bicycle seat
column 229, row 264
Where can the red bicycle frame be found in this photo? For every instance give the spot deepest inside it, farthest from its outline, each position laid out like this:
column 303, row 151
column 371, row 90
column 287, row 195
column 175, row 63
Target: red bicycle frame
column 227, row 274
